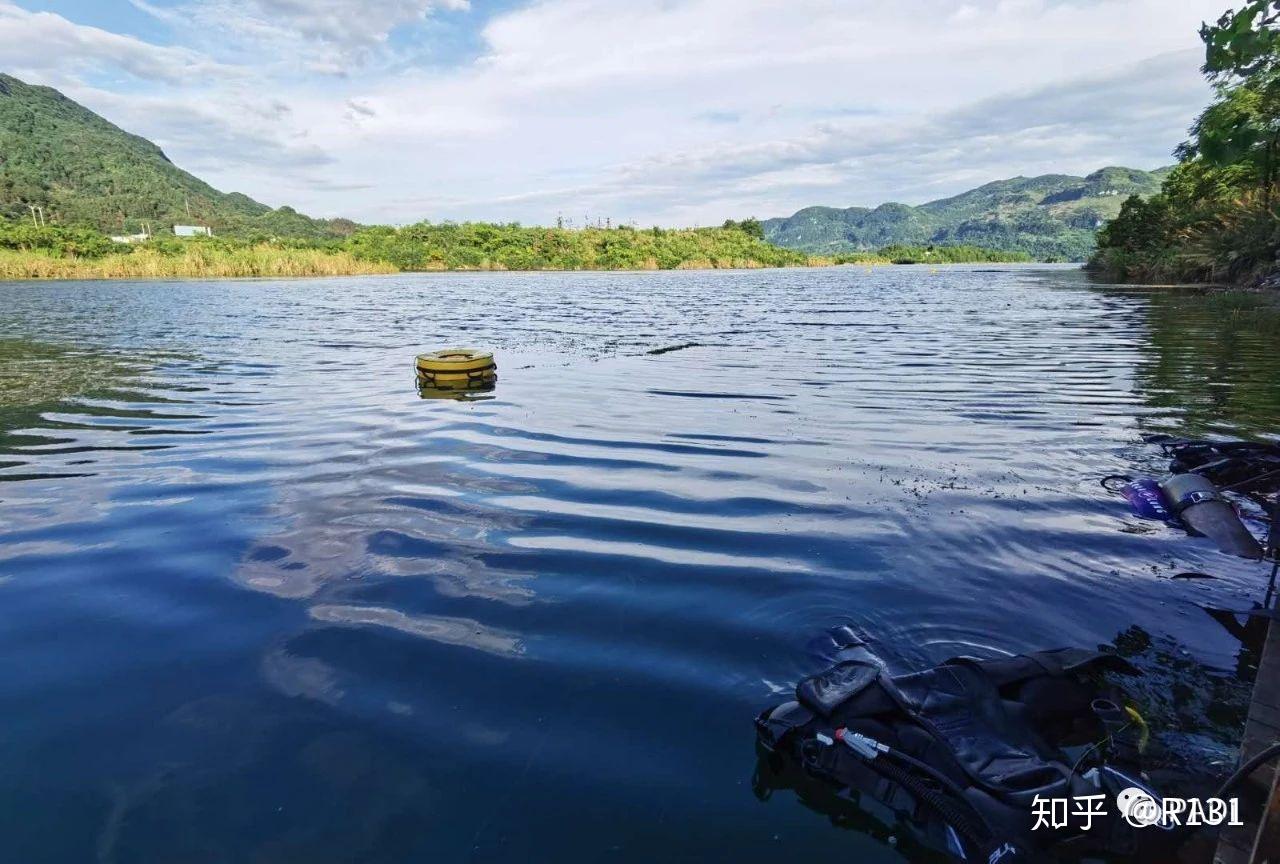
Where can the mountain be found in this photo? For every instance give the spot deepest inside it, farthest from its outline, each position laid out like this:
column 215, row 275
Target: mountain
column 83, row 170
column 1053, row 217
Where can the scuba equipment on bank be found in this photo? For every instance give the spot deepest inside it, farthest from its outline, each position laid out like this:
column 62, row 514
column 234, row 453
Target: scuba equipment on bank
column 1192, row 501
column 1200, row 471
column 964, row 754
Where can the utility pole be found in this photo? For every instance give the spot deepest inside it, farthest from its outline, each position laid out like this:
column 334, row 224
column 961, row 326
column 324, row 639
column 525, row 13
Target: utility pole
column 32, row 208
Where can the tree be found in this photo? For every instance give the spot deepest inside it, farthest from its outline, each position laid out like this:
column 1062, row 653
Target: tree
column 1242, row 59
column 1243, row 43
column 750, row 226
column 1214, row 217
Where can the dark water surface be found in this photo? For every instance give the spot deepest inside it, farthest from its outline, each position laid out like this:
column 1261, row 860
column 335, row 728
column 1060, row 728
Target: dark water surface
column 261, row 603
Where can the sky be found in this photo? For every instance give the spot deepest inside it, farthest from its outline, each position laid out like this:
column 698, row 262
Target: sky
column 671, row 112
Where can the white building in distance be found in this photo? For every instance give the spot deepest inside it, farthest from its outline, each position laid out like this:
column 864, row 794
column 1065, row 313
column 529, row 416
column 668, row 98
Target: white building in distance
column 193, row 230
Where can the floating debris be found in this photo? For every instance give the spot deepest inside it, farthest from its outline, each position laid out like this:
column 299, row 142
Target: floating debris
column 668, row 349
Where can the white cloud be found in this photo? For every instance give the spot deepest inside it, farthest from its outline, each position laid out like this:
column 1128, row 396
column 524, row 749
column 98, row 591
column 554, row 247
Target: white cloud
column 332, row 35
column 620, row 109
column 211, row 135
column 354, row 23
column 1088, row 116
column 588, row 105
column 47, row 46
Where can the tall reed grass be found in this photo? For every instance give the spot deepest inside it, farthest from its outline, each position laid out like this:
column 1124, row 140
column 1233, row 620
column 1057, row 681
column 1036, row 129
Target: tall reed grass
column 193, row 262
column 203, row 261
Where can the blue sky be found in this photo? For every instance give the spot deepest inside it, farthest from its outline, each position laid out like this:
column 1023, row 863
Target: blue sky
column 652, row 111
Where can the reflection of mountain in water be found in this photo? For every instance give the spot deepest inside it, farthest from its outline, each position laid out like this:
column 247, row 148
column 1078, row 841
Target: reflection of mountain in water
column 363, row 560
column 66, row 400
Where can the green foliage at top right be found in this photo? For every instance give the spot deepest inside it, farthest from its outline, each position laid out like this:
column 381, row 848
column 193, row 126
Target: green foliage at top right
column 1216, row 218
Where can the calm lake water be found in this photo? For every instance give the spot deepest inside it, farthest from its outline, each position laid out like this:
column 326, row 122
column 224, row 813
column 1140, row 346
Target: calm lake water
column 261, row 603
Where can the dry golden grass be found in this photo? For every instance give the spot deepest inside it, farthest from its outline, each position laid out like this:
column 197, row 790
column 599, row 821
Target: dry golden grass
column 200, row 262
column 195, row 262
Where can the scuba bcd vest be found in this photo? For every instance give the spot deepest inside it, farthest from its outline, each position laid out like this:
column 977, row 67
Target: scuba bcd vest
column 965, row 752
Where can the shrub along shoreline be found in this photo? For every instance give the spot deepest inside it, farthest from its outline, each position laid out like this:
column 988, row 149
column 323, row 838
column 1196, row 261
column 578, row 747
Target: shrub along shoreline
column 30, row 252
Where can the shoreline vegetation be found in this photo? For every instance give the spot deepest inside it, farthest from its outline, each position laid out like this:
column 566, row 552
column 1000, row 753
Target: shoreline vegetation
column 30, row 252
column 1216, row 218
column 194, row 262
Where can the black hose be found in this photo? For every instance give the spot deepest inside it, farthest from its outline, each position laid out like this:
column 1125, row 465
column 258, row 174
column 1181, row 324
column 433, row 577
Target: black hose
column 1184, row 832
column 1247, row 768
column 947, row 782
column 966, row 822
column 1110, row 477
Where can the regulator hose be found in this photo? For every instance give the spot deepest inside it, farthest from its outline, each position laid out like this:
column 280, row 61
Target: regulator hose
column 958, row 816
column 1110, row 481
column 1238, row 776
column 953, row 809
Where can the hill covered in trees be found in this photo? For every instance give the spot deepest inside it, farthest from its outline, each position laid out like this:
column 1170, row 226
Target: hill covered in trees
column 1052, row 217
column 92, row 179
column 84, row 171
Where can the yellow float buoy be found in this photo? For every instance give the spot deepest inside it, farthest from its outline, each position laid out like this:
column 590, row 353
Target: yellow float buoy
column 456, row 369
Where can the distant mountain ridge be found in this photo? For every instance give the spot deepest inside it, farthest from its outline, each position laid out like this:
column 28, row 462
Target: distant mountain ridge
column 1051, row 217
column 83, row 170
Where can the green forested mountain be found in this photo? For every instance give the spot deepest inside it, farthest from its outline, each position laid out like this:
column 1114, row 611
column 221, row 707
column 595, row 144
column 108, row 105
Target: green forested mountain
column 1053, row 217
column 83, row 170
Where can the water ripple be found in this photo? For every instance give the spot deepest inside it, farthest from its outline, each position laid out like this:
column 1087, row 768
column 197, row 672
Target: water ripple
column 255, row 588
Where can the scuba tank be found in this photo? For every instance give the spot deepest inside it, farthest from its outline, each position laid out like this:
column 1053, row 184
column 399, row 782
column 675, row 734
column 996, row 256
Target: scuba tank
column 1203, row 510
column 1192, row 501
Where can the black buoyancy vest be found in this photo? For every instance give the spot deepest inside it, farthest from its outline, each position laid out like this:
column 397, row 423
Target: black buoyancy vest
column 993, row 727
